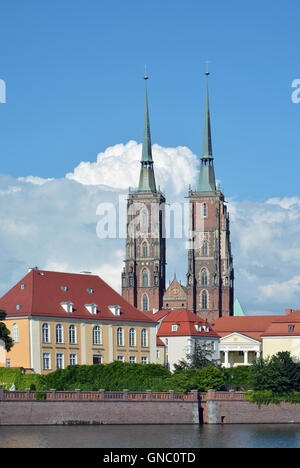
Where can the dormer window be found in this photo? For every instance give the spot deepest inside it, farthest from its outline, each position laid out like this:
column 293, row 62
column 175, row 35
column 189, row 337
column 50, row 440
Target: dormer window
column 64, row 288
column 198, row 327
column 23, row 286
column 92, row 308
column 291, row 328
column 19, row 306
column 175, row 328
column 67, row 306
column 115, row 309
column 90, row 290
column 206, row 328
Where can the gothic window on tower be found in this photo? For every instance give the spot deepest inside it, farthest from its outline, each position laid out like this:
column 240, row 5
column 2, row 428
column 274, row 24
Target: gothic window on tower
column 144, row 221
column 145, row 249
column 145, row 302
column 204, row 249
column 204, row 210
column 204, row 299
column 145, row 278
column 204, row 277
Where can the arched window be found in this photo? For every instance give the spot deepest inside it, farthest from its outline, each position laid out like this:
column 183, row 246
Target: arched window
column 132, row 337
column 72, row 334
column 45, row 333
column 15, row 332
column 120, row 336
column 97, row 335
column 204, row 300
column 145, row 302
column 204, row 208
column 145, row 281
column 144, row 338
column 59, row 333
column 145, row 249
column 204, row 249
column 204, row 277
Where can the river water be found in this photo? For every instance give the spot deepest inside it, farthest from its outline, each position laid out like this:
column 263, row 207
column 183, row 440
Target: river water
column 152, row 436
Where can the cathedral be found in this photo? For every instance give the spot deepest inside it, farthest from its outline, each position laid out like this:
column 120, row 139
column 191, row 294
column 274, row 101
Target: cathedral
column 208, row 291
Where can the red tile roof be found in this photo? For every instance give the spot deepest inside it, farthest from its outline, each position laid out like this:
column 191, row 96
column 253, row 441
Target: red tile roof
column 252, row 326
column 42, row 295
column 186, row 321
column 287, row 325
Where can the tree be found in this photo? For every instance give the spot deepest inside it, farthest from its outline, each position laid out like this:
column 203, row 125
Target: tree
column 199, row 357
column 278, row 373
column 4, row 332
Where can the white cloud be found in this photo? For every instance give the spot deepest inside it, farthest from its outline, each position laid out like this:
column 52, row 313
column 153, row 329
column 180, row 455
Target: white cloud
column 118, row 166
column 52, row 223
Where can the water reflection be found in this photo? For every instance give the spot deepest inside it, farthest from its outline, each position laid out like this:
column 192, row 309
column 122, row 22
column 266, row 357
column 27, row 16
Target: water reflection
column 152, row 436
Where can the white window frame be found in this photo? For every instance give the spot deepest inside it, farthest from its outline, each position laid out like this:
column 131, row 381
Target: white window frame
column 72, row 334
column 120, row 358
column 144, row 359
column 120, row 336
column 46, row 338
column 59, row 333
column 15, row 332
column 97, row 335
column 73, row 357
column 47, row 359
column 132, row 336
column 144, row 338
column 60, row 360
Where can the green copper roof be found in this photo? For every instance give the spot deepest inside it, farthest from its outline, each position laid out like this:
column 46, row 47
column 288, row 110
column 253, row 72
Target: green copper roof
column 206, row 145
column 147, row 179
column 237, row 309
column 207, row 182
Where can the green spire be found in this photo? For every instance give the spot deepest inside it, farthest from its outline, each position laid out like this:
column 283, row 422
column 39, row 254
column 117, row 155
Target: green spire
column 206, row 145
column 147, row 179
column 207, row 181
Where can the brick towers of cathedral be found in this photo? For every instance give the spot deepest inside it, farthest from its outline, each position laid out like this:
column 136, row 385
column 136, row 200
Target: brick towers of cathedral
column 209, row 288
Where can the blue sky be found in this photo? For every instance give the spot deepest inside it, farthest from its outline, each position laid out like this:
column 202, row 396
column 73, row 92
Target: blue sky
column 74, row 79
column 73, row 71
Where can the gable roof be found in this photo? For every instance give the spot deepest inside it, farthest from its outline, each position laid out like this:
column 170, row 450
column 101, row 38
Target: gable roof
column 175, row 291
column 186, row 321
column 43, row 293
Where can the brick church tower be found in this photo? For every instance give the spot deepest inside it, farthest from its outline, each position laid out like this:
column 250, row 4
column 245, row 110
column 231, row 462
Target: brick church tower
column 210, row 267
column 143, row 277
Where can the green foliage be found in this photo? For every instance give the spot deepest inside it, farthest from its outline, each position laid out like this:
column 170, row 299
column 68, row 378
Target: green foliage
column 200, row 357
column 32, row 381
column 237, row 378
column 115, row 376
column 195, row 379
column 4, row 332
column 9, row 377
column 40, row 396
column 265, row 397
column 278, row 374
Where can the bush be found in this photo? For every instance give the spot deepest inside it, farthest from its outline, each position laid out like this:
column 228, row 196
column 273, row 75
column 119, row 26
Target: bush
column 279, row 374
column 238, row 377
column 115, row 376
column 265, row 397
column 203, row 379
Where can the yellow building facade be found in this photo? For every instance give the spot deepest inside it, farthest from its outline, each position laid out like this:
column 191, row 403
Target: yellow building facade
column 45, row 342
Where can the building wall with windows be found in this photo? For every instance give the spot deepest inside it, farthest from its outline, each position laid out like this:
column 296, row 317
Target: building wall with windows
column 76, row 330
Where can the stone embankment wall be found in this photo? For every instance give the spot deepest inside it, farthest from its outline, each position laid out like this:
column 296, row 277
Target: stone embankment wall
column 234, row 408
column 55, row 407
column 22, row 408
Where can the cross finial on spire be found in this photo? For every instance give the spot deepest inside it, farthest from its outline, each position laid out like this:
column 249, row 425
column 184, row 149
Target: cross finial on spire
column 145, row 74
column 207, row 72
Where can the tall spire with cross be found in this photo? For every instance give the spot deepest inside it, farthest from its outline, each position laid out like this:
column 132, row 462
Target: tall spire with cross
column 147, row 179
column 207, row 181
